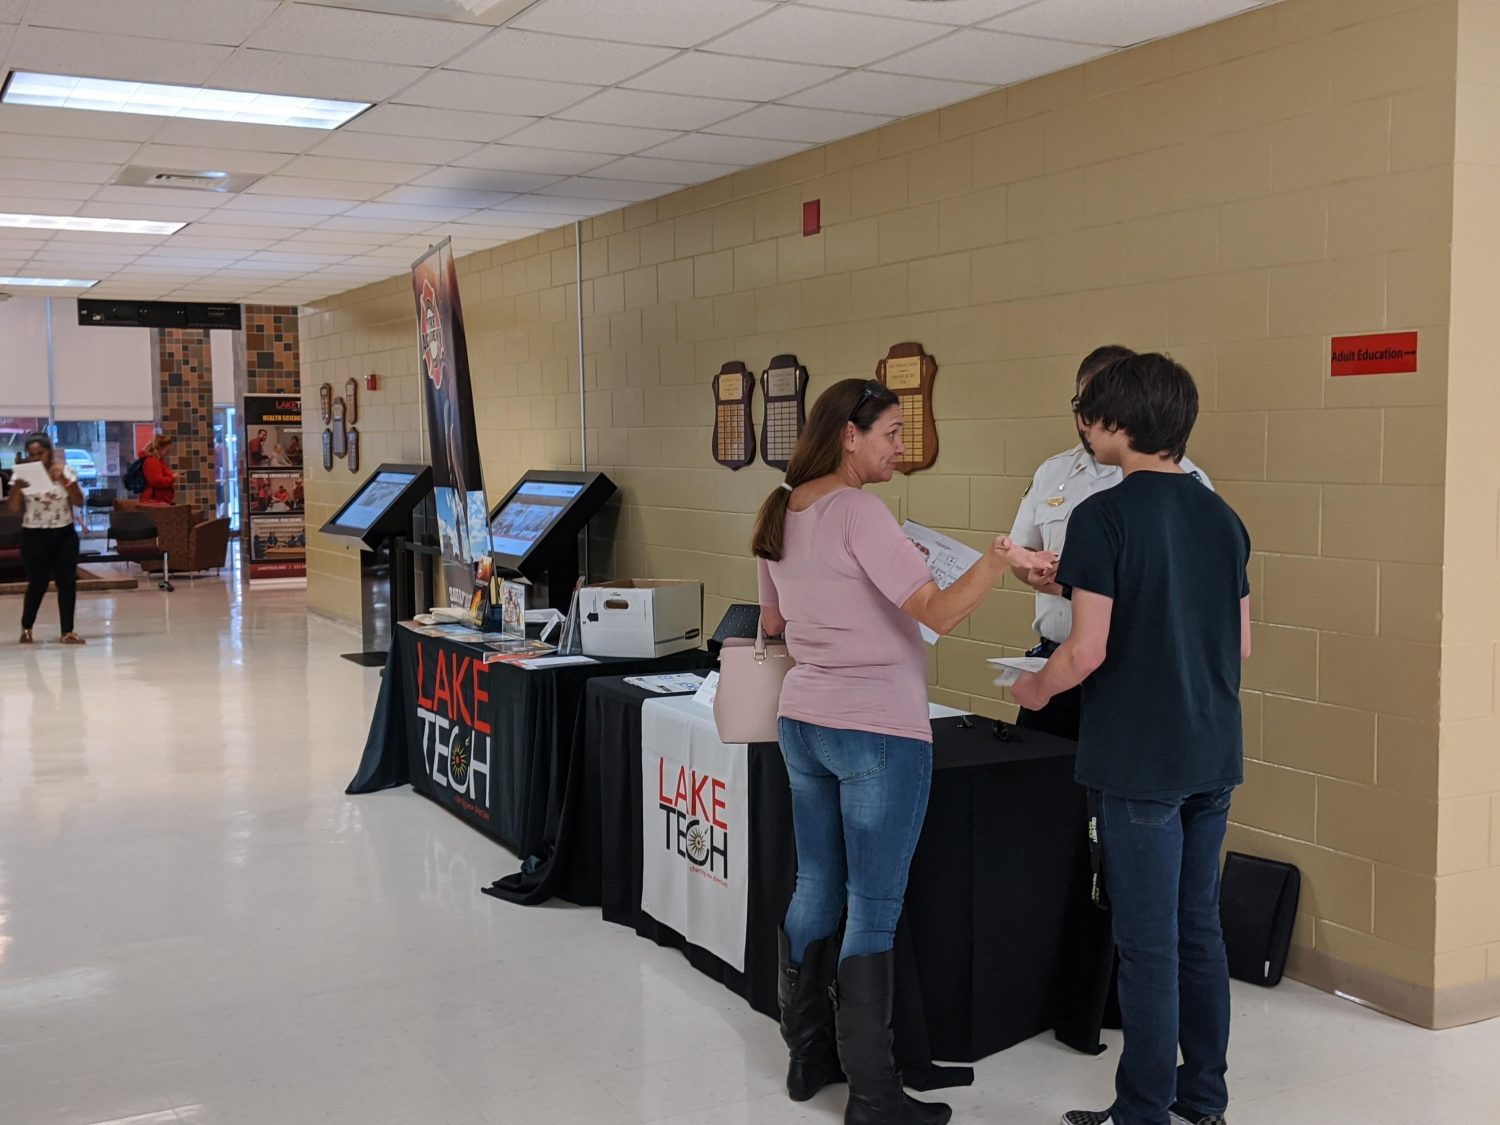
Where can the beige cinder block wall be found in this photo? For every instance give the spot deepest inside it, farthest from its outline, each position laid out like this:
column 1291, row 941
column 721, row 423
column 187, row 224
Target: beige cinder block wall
column 1468, row 776
column 1233, row 195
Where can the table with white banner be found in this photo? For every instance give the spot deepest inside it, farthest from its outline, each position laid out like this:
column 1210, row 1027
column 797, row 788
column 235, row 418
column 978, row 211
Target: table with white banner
column 689, row 842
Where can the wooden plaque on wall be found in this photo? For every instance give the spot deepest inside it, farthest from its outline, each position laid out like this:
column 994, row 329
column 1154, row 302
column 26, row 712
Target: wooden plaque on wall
column 734, row 432
column 351, row 439
column 325, row 402
column 327, row 450
column 351, row 402
column 783, row 388
column 907, row 371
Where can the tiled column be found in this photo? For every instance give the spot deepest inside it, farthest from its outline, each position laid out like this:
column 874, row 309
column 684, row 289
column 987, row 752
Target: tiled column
column 272, row 359
column 185, row 386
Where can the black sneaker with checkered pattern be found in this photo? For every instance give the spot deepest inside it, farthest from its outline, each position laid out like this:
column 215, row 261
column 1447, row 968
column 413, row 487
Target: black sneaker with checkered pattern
column 1086, row 1117
column 1181, row 1115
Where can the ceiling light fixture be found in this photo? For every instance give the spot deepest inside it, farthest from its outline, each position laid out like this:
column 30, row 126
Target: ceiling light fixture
column 202, row 103
column 83, row 222
column 49, row 282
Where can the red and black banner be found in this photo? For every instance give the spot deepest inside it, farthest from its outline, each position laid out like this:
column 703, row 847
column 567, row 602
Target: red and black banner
column 272, row 496
column 458, row 481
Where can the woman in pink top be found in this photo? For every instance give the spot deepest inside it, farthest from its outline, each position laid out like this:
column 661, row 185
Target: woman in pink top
column 848, row 589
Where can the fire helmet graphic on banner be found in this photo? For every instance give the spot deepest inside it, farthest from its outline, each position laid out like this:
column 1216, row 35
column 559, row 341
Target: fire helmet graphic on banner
column 462, row 507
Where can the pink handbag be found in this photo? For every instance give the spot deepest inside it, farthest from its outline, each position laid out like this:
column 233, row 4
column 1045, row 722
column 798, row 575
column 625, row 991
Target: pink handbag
column 750, row 675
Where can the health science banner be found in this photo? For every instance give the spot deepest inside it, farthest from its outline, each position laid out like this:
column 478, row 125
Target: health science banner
column 458, row 482
column 695, row 827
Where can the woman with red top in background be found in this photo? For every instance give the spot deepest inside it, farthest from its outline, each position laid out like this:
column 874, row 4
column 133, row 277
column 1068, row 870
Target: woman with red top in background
column 161, row 481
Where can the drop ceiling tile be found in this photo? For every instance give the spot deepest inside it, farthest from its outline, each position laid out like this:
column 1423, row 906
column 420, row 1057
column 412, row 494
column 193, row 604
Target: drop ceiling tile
column 895, row 94
column 172, row 214
column 700, row 74
column 656, row 111
column 532, row 220
column 443, row 197
column 225, row 22
column 21, row 168
column 578, row 136
column 36, row 205
column 131, row 58
column 218, row 242
column 725, row 150
column 278, row 72
column 651, row 171
column 497, row 234
column 316, row 189
column 7, row 33
column 447, row 124
column 814, row 35
column 46, row 189
column 670, row 23
column 485, row 179
column 173, row 250
column 588, row 187
column 1116, row 25
column 365, row 225
column 364, row 171
column 518, row 158
column 453, row 89
column 268, row 224
column 47, row 121
column 790, row 123
column 289, row 207
column 185, row 158
column 229, row 135
column 402, row 211
column 161, row 197
column 12, row 10
column 555, row 206
column 385, row 146
column 559, row 58
column 366, row 36
column 62, row 149
column 990, row 57
column 959, row 13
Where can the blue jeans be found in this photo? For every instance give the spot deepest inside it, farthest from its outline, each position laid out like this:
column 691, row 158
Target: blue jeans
column 858, row 800
column 1161, row 862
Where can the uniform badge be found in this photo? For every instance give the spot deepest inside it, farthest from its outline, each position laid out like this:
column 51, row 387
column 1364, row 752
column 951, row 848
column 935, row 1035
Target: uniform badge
column 1056, row 501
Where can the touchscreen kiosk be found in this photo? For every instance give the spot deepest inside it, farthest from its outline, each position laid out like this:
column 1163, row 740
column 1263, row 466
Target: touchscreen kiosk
column 381, row 508
column 534, row 529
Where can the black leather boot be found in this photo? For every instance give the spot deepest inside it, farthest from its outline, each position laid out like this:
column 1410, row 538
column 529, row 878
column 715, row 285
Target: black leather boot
column 867, row 986
column 807, row 1016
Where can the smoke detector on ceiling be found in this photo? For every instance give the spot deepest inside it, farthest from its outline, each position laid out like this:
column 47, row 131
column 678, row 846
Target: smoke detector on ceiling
column 230, row 183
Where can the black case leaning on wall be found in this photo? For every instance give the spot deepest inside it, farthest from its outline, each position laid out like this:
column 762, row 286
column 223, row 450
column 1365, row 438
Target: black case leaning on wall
column 1258, row 907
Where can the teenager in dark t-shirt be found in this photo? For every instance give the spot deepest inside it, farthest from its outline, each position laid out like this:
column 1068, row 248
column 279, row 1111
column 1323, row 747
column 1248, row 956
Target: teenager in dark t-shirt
column 1155, row 568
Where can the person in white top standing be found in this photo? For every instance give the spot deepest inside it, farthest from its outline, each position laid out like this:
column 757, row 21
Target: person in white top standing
column 49, row 542
column 1058, row 487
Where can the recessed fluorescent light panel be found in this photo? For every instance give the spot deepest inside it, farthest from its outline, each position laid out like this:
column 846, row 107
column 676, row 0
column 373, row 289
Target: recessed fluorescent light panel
column 64, row 91
column 49, row 282
column 81, row 222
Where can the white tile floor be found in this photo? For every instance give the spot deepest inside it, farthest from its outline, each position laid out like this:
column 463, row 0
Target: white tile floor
column 196, row 925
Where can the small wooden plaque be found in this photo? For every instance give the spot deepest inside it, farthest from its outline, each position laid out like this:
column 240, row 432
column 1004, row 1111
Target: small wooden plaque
column 327, row 450
column 340, row 435
column 353, row 443
column 325, row 402
column 351, row 401
column 734, row 432
column 783, row 409
column 908, row 372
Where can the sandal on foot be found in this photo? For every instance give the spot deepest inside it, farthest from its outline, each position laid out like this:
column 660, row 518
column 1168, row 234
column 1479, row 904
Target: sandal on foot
column 26, row 638
column 73, row 639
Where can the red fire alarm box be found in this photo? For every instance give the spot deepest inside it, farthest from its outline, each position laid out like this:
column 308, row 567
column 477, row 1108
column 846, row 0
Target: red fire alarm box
column 372, row 381
column 812, row 217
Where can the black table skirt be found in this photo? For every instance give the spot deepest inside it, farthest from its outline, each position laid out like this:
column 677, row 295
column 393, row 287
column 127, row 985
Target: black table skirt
column 533, row 743
column 997, row 942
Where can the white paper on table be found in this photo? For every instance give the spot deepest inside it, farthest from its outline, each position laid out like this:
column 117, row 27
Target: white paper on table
column 670, row 683
column 1011, row 667
column 538, row 662
column 705, row 694
column 947, row 559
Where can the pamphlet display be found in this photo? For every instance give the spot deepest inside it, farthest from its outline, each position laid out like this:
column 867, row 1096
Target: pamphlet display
column 274, row 487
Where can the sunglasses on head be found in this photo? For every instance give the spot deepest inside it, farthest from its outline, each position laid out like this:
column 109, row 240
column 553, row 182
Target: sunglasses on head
column 873, row 388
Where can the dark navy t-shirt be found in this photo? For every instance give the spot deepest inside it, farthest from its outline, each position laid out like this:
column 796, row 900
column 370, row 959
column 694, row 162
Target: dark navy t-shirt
column 1161, row 715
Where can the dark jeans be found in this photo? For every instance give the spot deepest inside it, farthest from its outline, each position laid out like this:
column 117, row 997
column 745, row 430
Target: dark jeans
column 858, row 801
column 1061, row 715
column 50, row 554
column 1162, row 870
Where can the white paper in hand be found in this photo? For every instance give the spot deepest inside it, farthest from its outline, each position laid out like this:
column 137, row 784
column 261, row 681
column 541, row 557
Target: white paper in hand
column 1011, row 667
column 947, row 559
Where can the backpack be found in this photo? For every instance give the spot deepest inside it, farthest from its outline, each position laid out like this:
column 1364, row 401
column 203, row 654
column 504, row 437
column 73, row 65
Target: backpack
column 134, row 479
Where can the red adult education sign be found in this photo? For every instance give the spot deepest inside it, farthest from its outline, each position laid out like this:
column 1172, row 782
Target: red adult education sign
column 1382, row 353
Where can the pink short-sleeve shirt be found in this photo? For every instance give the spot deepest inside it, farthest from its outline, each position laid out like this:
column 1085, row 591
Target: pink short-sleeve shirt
column 845, row 571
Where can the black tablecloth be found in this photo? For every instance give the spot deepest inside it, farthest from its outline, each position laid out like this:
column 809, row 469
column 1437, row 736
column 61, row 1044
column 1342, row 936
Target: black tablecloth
column 998, row 940
column 515, row 723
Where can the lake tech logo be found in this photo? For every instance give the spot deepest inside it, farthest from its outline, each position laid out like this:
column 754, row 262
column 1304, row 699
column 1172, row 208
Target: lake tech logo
column 456, row 736
column 433, row 349
column 694, row 823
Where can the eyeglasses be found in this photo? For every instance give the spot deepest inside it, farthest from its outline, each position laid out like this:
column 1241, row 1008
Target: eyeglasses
column 873, row 389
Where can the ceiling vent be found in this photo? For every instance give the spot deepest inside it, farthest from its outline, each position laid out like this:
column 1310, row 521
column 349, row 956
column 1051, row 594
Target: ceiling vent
column 225, row 183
